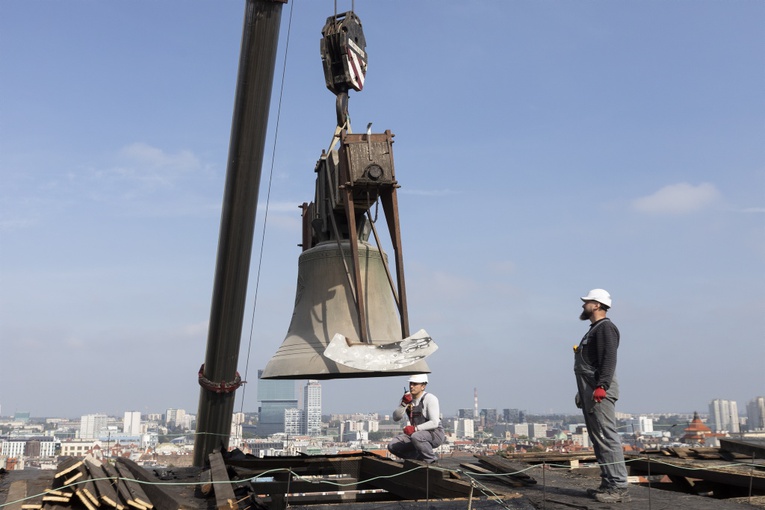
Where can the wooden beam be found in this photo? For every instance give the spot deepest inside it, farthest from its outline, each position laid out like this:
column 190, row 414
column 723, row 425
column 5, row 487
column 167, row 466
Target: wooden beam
column 136, row 491
column 106, row 491
column 742, row 479
column 412, row 480
column 751, row 448
column 224, row 492
column 300, row 486
column 158, row 497
column 502, row 465
column 125, row 498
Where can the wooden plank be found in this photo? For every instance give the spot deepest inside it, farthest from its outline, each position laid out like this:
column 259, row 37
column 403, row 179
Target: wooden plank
column 104, row 485
column 299, row 486
column 66, row 466
column 480, row 470
column 502, row 465
column 414, row 480
column 85, row 488
column 743, row 479
column 85, row 499
column 125, row 498
column 224, row 492
column 302, row 465
column 539, row 457
column 158, row 497
column 136, row 491
column 205, row 479
column 751, row 448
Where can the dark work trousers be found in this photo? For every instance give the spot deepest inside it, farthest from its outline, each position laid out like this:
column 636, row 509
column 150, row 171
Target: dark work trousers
column 418, row 446
column 600, row 418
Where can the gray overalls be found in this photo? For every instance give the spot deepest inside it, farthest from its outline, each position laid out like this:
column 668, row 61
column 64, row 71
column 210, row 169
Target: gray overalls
column 420, row 444
column 600, row 418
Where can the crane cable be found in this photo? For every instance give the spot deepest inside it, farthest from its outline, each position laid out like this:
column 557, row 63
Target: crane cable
column 268, row 200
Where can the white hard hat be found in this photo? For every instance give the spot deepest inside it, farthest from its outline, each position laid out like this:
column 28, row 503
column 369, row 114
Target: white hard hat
column 599, row 295
column 419, row 378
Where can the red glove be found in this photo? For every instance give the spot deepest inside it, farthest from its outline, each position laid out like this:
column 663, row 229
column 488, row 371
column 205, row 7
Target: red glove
column 599, row 394
column 406, row 399
column 409, row 430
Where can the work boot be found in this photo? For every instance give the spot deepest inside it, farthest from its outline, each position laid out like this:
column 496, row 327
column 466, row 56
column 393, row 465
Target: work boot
column 600, row 488
column 613, row 495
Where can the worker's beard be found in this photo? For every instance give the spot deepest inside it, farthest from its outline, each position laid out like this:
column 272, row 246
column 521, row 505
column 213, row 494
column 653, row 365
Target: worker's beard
column 585, row 315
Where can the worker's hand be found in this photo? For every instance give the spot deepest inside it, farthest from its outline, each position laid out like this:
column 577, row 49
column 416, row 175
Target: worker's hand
column 599, row 394
column 409, row 430
column 406, row 399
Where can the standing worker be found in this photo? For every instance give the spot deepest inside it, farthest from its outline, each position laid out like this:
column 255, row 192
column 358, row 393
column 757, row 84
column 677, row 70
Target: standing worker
column 598, row 391
column 424, row 431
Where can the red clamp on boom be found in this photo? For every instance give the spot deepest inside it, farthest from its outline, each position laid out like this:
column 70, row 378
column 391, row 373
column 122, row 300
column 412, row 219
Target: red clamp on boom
column 221, row 387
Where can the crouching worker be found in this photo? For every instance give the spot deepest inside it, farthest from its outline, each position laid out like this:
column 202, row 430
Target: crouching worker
column 424, row 431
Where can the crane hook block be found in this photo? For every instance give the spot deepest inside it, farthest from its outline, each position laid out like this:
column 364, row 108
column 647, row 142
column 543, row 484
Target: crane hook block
column 343, row 53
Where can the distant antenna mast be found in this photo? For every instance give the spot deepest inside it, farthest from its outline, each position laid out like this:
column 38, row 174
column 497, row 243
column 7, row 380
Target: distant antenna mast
column 475, row 403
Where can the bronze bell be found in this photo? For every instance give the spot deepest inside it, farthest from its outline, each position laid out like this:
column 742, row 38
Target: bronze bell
column 324, row 306
column 350, row 317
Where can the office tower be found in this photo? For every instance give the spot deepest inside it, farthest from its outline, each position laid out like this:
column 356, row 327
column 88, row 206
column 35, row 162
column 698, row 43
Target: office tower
column 723, row 416
column 294, row 422
column 511, row 415
column 488, row 417
column 131, row 423
column 274, row 395
column 312, row 408
column 175, row 418
column 755, row 414
column 465, row 413
column 464, row 427
column 645, row 424
column 91, row 425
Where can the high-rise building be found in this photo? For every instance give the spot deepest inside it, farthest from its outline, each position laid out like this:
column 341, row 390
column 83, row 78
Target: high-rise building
column 513, row 416
column 175, row 418
column 294, row 422
column 465, row 413
column 755, row 414
column 488, row 417
column 91, row 425
column 723, row 416
column 131, row 423
column 312, row 408
column 274, row 395
column 464, row 427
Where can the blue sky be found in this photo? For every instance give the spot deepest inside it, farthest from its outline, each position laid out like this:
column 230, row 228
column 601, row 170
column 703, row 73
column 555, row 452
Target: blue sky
column 543, row 148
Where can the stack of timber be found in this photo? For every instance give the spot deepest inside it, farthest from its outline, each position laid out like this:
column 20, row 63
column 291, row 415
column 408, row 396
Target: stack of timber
column 359, row 477
column 704, row 453
column 88, row 484
column 500, row 470
column 551, row 458
column 703, row 470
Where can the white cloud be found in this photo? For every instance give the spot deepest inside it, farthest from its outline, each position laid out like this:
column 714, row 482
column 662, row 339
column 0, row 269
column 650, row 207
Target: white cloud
column 149, row 168
column 146, row 155
column 681, row 198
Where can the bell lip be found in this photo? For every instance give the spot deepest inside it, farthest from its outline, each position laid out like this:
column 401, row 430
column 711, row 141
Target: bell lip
column 360, row 374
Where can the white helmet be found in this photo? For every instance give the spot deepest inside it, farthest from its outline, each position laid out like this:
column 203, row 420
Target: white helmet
column 419, row 378
column 599, row 295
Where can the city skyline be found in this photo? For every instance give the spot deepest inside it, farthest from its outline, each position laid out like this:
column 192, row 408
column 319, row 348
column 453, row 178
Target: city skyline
column 743, row 409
